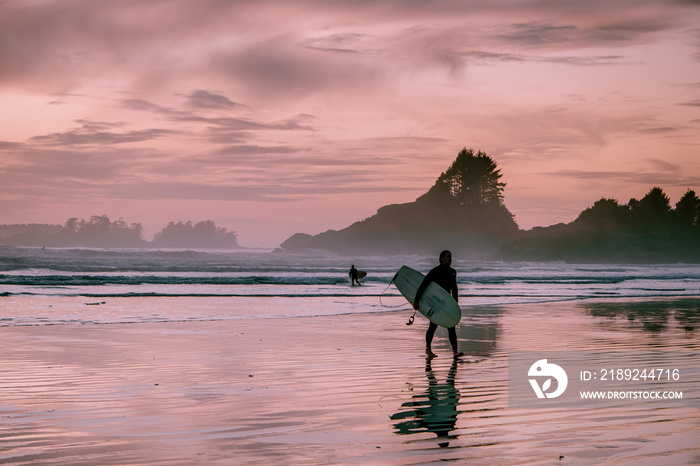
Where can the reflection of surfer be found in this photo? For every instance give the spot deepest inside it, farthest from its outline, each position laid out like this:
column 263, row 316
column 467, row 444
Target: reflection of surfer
column 446, row 277
column 435, row 410
column 353, row 276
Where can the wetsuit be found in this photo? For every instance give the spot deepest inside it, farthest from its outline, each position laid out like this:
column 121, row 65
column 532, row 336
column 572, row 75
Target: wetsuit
column 353, row 276
column 446, row 277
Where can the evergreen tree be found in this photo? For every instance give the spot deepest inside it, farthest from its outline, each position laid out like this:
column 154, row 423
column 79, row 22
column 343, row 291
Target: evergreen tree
column 605, row 214
column 467, row 201
column 652, row 210
column 688, row 209
column 473, row 179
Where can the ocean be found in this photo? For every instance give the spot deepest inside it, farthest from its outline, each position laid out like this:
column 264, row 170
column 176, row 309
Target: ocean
column 103, row 286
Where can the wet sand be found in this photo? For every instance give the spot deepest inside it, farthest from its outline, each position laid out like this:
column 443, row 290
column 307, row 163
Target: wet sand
column 352, row 389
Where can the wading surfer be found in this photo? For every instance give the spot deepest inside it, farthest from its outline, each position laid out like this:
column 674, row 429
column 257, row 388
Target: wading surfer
column 353, row 276
column 445, row 276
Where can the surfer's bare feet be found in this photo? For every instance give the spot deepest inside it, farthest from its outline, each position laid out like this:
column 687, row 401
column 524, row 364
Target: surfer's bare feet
column 430, row 354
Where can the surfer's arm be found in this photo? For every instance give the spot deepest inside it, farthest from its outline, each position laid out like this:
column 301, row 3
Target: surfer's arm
column 419, row 292
column 455, row 293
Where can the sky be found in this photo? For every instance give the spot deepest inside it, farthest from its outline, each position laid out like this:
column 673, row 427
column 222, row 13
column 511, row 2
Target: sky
column 275, row 117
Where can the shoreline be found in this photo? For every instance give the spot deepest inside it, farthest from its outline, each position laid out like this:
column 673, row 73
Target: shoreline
column 111, row 310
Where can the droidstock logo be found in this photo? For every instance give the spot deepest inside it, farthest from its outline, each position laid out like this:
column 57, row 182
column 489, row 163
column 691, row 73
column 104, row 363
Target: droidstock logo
column 545, row 371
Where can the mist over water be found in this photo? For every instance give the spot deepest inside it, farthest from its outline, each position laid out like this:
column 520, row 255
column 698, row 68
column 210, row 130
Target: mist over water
column 102, row 285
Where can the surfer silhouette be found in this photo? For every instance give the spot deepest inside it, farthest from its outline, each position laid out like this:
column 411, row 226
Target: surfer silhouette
column 434, row 410
column 445, row 276
column 353, row 276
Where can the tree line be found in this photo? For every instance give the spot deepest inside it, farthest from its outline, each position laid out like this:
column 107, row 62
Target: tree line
column 100, row 231
column 650, row 229
column 651, row 213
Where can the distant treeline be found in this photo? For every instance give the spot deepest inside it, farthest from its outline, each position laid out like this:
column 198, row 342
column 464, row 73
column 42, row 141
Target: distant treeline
column 204, row 234
column 100, row 231
column 646, row 230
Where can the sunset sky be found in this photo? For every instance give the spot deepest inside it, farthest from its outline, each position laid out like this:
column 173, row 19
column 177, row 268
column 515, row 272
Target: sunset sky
column 273, row 117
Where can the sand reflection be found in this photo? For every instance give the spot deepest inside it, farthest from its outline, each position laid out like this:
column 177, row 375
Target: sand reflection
column 434, row 410
column 651, row 316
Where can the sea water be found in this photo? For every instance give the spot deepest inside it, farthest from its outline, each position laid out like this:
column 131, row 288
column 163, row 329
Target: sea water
column 43, row 286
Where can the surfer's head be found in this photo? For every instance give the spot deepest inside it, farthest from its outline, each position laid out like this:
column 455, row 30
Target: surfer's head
column 445, row 257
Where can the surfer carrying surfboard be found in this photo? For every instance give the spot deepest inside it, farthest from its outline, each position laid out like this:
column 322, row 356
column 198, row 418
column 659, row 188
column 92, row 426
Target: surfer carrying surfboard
column 445, row 276
column 354, row 276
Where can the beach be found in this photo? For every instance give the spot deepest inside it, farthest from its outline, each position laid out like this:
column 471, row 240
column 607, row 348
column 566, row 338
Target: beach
column 339, row 389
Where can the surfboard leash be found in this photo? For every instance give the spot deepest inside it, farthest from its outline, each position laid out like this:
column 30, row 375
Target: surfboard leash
column 410, row 319
column 382, row 294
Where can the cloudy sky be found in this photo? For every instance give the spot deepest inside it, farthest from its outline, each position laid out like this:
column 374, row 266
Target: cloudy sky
column 273, row 117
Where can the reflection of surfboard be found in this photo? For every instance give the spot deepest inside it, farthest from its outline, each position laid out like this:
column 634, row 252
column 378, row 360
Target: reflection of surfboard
column 436, row 304
column 361, row 274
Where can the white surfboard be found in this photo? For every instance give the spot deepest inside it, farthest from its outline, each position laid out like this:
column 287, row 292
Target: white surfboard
column 436, row 304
